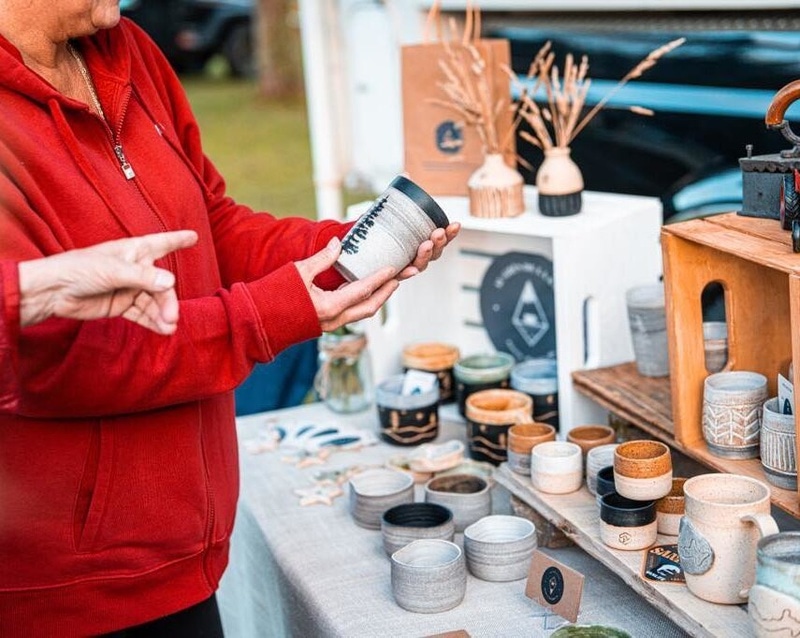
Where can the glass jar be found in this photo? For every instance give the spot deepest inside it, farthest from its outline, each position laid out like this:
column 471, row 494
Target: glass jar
column 344, row 378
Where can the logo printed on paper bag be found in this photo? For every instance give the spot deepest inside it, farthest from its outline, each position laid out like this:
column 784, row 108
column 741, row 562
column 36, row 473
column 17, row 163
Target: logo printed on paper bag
column 450, row 137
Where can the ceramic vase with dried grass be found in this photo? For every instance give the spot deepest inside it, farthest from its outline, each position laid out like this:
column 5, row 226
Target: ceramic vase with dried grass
column 495, row 189
column 559, row 183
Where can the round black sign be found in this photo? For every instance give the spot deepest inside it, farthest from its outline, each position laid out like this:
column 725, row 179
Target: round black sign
column 518, row 305
column 552, row 585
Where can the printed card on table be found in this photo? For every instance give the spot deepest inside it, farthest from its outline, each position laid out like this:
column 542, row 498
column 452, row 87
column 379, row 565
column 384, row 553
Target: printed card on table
column 555, row 586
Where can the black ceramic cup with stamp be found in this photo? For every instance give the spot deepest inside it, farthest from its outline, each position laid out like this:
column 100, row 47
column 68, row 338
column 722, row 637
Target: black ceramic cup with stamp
column 391, row 231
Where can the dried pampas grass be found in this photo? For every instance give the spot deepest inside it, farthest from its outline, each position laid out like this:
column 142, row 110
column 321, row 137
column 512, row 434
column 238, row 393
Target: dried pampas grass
column 560, row 119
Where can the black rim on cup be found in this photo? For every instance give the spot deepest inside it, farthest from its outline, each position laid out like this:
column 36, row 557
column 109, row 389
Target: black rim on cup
column 421, row 199
column 619, row 511
column 417, row 515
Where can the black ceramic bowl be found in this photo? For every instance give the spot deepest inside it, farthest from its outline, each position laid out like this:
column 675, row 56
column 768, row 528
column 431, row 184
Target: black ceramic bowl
column 407, row 522
column 619, row 511
column 605, row 481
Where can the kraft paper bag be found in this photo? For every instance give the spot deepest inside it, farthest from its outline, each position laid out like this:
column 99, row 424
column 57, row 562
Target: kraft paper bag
column 441, row 150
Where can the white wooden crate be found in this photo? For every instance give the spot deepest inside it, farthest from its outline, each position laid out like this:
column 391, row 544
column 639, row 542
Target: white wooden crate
column 612, row 245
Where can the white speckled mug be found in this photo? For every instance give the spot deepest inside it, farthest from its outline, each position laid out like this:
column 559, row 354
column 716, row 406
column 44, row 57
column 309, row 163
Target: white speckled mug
column 391, row 231
column 725, row 516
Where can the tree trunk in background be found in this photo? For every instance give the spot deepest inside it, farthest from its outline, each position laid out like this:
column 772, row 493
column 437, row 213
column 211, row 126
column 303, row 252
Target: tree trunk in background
column 278, row 49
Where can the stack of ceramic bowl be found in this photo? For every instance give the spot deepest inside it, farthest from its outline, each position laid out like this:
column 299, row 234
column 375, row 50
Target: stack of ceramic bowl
column 642, row 475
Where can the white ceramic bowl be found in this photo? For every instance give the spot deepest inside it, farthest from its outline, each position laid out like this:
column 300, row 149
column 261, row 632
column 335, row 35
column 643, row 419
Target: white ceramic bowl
column 499, row 547
column 557, row 467
column 429, row 576
column 374, row 491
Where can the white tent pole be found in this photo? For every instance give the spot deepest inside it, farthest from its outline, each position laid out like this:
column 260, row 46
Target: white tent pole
column 321, row 77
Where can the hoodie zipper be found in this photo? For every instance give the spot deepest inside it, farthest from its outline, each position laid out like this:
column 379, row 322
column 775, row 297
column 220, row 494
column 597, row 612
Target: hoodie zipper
column 116, row 143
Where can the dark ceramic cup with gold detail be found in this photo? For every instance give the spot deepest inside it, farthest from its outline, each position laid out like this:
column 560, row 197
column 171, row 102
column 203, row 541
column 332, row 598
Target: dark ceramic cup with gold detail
column 407, row 419
column 490, row 414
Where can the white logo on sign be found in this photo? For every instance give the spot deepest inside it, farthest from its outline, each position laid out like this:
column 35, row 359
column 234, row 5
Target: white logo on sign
column 529, row 317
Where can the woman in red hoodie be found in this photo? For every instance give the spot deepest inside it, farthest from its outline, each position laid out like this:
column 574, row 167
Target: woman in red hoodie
column 118, row 468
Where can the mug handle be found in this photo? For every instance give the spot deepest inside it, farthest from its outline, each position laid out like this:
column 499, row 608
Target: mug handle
column 766, row 526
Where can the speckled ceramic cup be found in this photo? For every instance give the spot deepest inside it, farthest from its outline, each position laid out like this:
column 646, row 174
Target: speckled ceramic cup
column 591, row 436
column 557, row 467
column 670, row 508
column 596, row 459
column 522, row 438
column 627, row 524
column 408, row 522
column 374, row 491
column 500, row 547
column 648, row 325
column 468, row 496
column 429, row 576
column 778, row 446
column 732, row 410
column 391, row 231
column 642, row 470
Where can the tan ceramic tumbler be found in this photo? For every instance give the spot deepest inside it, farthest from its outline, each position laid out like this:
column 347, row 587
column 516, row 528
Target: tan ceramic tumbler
column 725, row 516
column 522, row 438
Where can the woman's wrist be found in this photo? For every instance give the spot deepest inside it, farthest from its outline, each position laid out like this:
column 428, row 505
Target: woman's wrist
column 36, row 292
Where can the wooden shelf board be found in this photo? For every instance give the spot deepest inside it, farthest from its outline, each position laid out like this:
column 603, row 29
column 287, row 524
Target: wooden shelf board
column 646, row 403
column 578, row 516
column 761, row 241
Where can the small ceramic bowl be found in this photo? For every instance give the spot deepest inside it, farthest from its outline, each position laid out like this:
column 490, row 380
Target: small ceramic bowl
column 591, row 436
column 499, row 547
column 557, row 467
column 642, row 470
column 596, row 459
column 429, row 576
column 374, row 491
column 467, row 496
column 522, row 438
column 669, row 509
column 408, row 522
column 627, row 524
column 436, row 457
column 605, row 482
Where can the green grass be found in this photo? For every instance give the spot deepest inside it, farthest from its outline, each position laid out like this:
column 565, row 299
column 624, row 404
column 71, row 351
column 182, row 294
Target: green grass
column 261, row 147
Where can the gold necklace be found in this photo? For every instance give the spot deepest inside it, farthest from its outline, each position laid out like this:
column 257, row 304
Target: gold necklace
column 86, row 78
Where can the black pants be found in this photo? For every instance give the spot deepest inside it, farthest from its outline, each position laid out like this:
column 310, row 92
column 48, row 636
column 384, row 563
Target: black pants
column 200, row 621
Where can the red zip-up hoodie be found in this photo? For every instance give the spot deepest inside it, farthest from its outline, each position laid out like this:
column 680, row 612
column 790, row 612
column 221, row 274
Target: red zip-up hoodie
column 118, row 463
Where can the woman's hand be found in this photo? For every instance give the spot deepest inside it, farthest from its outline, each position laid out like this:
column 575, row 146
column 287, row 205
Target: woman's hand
column 351, row 302
column 430, row 250
column 116, row 278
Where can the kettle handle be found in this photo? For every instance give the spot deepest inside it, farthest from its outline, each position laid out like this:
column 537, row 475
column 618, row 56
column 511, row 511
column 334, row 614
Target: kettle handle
column 774, row 119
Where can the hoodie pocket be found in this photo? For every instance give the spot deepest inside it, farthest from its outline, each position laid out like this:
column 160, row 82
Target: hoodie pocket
column 93, row 489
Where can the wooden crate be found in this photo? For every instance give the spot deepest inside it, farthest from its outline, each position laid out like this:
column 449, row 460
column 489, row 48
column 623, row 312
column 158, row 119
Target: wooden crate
column 753, row 260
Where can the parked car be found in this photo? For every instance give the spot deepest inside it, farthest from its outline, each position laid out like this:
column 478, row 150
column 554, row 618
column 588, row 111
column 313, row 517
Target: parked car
column 710, row 97
column 191, row 32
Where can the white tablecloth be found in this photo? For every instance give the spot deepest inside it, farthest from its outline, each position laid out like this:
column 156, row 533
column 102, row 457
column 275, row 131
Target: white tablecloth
column 311, row 571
